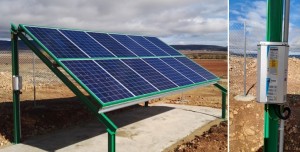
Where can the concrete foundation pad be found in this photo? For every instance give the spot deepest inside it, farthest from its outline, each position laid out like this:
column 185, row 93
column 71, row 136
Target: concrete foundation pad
column 244, row 98
column 150, row 129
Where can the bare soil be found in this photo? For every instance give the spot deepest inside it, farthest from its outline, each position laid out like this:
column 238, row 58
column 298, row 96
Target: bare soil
column 56, row 104
column 215, row 139
column 246, row 119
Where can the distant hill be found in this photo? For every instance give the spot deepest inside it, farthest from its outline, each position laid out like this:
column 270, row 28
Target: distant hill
column 200, row 47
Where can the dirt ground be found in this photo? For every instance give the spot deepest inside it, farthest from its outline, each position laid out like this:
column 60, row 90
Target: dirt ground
column 246, row 119
column 216, row 136
column 55, row 103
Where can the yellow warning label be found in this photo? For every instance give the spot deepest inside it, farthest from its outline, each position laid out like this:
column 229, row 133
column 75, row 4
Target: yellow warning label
column 273, row 63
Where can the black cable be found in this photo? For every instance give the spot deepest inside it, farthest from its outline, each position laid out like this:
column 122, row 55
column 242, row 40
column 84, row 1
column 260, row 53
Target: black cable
column 280, row 114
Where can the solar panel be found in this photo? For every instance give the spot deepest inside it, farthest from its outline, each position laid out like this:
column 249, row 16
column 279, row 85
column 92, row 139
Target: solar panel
column 169, row 72
column 87, row 44
column 200, row 70
column 111, row 44
column 59, row 45
column 157, row 79
column 132, row 45
column 193, row 76
column 162, row 45
column 131, row 80
column 149, row 46
column 104, row 86
column 116, row 69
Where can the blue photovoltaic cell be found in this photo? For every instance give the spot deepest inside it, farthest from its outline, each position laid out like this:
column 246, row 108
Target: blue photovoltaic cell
column 111, row 44
column 163, row 46
column 55, row 42
column 97, row 80
column 184, row 70
column 168, row 72
column 132, row 81
column 197, row 68
column 87, row 44
column 149, row 73
column 149, row 46
column 116, row 79
column 131, row 45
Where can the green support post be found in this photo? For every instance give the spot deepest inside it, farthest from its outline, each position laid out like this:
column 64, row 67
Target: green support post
column 274, row 34
column 224, row 95
column 224, row 105
column 111, row 140
column 111, row 127
column 16, row 93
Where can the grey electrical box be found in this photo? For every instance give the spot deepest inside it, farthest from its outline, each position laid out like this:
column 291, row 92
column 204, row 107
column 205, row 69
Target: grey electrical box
column 272, row 69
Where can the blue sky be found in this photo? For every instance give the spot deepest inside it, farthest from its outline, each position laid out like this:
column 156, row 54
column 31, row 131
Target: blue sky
column 175, row 21
column 254, row 13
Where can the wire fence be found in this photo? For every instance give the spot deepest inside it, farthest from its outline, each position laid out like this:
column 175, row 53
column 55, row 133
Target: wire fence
column 253, row 34
column 31, row 68
column 35, row 74
column 244, row 38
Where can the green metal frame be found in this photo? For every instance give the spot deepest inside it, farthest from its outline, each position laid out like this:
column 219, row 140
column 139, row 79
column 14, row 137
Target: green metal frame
column 110, row 126
column 273, row 34
column 121, row 101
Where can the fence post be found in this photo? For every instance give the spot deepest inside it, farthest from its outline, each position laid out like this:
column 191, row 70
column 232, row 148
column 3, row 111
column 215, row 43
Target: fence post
column 245, row 54
column 33, row 79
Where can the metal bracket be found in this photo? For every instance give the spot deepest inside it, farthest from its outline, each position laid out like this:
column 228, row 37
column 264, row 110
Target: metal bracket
column 55, row 65
column 17, row 83
column 220, row 87
column 264, row 43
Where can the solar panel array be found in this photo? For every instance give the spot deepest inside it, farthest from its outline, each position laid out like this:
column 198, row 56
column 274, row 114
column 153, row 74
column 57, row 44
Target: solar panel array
column 118, row 67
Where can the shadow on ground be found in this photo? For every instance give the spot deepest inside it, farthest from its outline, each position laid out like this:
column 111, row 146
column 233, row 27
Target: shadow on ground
column 59, row 115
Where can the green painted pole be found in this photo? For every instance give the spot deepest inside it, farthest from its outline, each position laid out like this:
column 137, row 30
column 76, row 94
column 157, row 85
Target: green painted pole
column 111, row 140
column 274, row 34
column 224, row 95
column 223, row 105
column 16, row 93
column 274, row 20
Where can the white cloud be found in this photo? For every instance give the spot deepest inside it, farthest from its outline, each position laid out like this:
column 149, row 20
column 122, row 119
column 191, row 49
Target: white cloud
column 255, row 16
column 256, row 20
column 204, row 18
